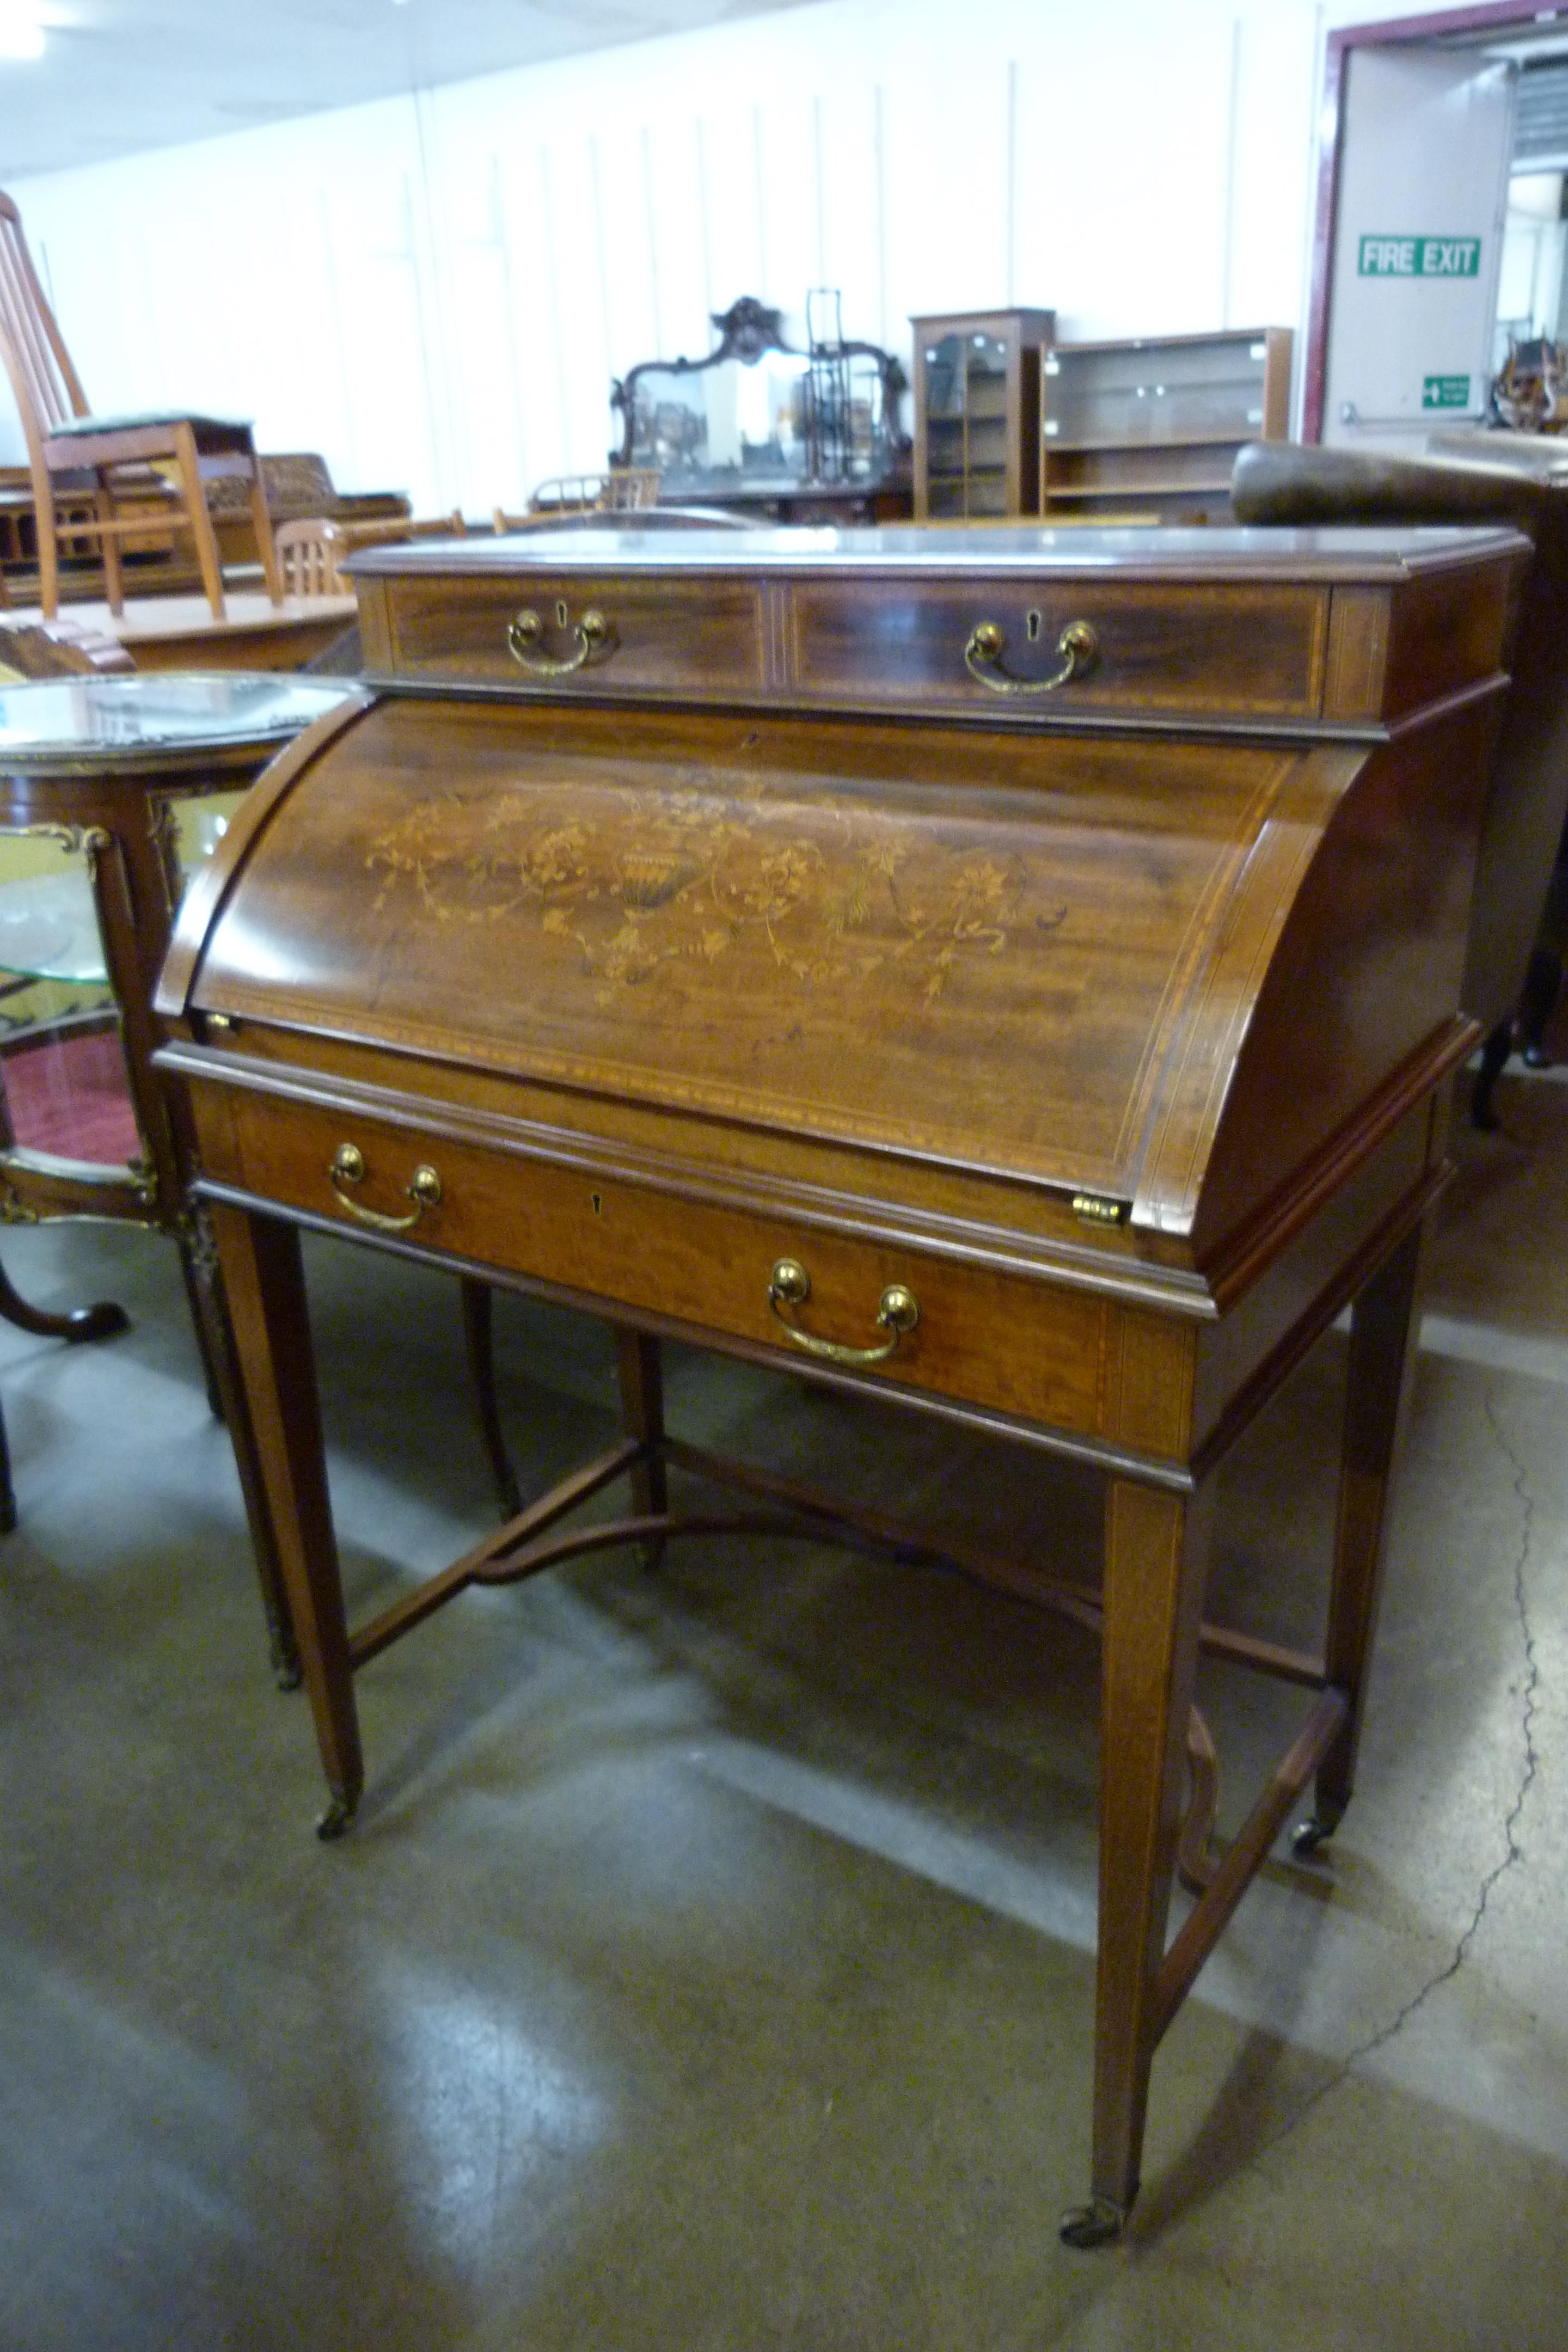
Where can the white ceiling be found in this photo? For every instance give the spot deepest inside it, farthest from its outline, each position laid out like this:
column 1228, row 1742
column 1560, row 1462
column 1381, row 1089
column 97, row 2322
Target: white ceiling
column 121, row 76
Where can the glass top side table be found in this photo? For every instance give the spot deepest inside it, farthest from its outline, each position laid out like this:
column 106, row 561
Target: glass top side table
column 112, row 792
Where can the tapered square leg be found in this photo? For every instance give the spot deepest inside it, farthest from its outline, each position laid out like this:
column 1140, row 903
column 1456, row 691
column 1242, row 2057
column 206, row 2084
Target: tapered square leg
column 264, row 1284
column 1155, row 1564
column 640, row 1366
column 1375, row 1387
column 261, row 524
column 198, row 520
column 478, row 1301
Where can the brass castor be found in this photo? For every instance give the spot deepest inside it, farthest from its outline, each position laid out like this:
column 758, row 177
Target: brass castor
column 1315, row 1831
column 338, row 1817
column 1098, row 2223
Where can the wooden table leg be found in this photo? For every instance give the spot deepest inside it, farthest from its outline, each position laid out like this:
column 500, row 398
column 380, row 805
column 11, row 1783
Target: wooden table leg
column 478, row 1302
column 640, row 1366
column 264, row 1284
column 226, row 1390
column 1155, row 1561
column 100, row 1322
column 1374, row 1392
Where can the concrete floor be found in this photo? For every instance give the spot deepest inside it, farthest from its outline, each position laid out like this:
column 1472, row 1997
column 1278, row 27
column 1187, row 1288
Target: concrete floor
column 710, row 1969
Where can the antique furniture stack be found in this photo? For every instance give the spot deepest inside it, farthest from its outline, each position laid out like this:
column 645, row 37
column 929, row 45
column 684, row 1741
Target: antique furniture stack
column 98, row 477
column 1010, row 975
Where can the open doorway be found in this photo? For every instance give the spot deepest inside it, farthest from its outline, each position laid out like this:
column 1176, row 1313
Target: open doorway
column 1440, row 280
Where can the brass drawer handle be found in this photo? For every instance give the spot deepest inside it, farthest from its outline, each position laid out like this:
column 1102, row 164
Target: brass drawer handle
column 423, row 1190
column 1077, row 648
column 525, row 630
column 789, row 1284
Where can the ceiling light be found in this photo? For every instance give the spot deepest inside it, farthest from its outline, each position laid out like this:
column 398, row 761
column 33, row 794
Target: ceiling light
column 21, row 32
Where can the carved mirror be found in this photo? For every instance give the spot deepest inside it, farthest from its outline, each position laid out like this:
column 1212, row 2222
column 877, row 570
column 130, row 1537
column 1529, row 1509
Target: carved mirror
column 758, row 415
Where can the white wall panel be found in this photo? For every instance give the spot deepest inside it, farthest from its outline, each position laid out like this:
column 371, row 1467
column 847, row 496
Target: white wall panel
column 437, row 291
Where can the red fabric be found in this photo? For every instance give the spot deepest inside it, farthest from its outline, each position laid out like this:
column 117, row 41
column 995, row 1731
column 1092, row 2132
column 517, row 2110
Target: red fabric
column 69, row 1096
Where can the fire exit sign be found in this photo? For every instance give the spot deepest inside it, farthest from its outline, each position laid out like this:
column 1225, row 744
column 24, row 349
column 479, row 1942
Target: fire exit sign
column 1420, row 256
column 1445, row 392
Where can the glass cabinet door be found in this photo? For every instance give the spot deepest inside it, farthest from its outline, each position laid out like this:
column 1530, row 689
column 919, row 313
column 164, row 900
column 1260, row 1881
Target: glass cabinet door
column 63, row 1080
column 967, row 423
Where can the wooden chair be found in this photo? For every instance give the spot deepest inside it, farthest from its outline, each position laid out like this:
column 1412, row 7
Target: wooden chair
column 304, row 560
column 309, row 553
column 609, row 493
column 90, row 466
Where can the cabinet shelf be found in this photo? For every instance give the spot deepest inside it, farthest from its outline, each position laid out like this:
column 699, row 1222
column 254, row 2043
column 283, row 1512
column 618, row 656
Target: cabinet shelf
column 1143, row 489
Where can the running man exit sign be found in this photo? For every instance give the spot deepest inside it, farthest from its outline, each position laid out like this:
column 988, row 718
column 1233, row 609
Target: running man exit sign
column 1420, row 256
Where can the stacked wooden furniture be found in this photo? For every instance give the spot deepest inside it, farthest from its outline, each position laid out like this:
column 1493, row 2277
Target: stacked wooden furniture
column 96, row 478
column 1011, row 975
column 1148, row 430
column 299, row 488
column 977, row 413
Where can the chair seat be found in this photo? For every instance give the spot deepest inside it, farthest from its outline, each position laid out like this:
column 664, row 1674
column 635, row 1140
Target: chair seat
column 145, row 421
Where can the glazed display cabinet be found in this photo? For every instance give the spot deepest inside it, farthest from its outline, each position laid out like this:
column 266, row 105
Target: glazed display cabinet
column 977, row 413
column 1147, row 431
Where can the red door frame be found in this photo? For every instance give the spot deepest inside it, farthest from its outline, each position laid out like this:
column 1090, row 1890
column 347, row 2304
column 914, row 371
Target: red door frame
column 1488, row 19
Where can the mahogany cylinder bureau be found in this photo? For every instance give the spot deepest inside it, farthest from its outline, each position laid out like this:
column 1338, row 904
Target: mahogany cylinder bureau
column 1012, row 973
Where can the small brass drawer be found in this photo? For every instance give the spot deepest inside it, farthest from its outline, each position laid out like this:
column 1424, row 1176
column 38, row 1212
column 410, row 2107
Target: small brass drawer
column 1060, row 647
column 605, row 635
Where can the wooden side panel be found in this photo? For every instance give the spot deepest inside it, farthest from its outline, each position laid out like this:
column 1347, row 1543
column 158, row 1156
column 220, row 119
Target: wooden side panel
column 1449, row 629
column 1232, row 1351
column 1366, row 969
column 1358, row 653
column 374, row 623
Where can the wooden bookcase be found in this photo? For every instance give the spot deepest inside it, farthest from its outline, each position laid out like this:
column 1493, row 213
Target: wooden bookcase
column 1147, row 431
column 977, row 413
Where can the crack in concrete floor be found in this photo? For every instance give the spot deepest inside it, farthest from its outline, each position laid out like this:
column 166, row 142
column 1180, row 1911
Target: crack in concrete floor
column 1515, row 1854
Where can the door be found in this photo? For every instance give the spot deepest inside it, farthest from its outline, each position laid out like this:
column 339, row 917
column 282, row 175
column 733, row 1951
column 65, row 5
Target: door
column 1424, row 171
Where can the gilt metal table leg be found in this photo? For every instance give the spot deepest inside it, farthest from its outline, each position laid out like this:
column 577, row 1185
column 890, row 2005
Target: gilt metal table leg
column 264, row 1284
column 1375, row 1386
column 1156, row 1557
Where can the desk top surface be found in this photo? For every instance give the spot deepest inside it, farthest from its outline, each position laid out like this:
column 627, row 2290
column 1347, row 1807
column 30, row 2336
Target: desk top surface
column 1161, row 554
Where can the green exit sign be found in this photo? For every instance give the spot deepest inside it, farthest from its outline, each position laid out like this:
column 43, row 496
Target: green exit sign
column 1445, row 392
column 1420, row 256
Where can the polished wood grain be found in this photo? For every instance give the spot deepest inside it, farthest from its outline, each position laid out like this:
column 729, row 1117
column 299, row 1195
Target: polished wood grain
column 1107, row 1038
column 1331, row 629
